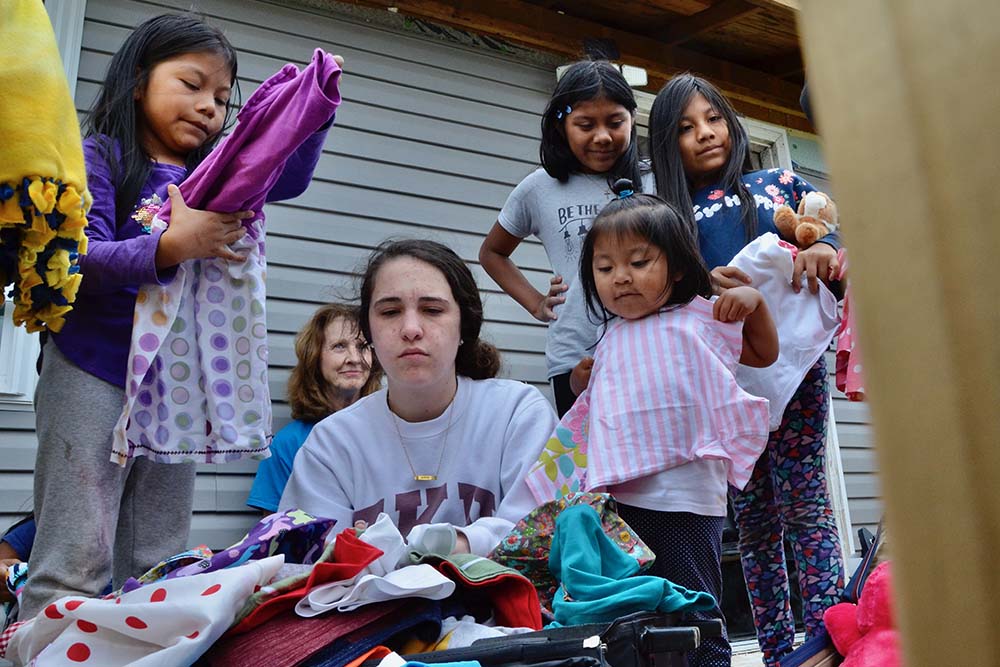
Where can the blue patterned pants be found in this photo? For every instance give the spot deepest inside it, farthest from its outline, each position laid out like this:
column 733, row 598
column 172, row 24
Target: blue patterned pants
column 787, row 498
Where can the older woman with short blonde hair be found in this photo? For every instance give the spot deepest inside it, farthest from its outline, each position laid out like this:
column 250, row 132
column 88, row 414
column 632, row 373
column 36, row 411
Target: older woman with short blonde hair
column 335, row 368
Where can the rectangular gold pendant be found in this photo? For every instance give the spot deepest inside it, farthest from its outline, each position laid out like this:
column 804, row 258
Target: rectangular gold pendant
column 425, row 478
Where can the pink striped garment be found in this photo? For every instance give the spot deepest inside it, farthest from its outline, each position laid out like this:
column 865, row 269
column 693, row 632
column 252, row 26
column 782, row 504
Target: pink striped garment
column 662, row 393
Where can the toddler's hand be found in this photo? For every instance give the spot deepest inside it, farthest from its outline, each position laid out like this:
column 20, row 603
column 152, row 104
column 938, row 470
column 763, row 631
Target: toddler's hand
column 195, row 234
column 580, row 377
column 727, row 277
column 736, row 304
column 544, row 310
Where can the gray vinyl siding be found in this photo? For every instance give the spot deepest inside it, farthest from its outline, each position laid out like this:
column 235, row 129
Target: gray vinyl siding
column 430, row 139
column 857, row 457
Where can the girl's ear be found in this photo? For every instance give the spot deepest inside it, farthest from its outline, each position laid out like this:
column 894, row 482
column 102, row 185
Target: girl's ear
column 679, row 276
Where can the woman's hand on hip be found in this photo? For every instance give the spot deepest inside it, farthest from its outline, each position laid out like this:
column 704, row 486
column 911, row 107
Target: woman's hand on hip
column 544, row 311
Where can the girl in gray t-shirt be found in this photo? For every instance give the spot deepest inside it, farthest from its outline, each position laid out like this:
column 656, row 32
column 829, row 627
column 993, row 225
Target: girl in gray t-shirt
column 588, row 141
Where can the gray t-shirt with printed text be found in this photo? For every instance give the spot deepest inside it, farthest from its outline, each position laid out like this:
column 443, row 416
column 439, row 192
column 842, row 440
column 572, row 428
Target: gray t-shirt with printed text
column 559, row 215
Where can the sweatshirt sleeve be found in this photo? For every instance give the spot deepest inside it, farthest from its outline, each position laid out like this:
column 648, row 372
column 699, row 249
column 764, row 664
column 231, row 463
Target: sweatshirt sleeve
column 298, row 171
column 111, row 264
column 530, row 428
column 314, row 486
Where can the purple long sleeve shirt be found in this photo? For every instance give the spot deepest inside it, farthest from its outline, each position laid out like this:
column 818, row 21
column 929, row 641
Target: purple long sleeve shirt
column 120, row 257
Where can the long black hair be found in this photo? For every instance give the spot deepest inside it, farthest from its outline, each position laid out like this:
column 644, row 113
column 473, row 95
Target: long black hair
column 113, row 117
column 665, row 117
column 665, row 227
column 583, row 81
column 476, row 358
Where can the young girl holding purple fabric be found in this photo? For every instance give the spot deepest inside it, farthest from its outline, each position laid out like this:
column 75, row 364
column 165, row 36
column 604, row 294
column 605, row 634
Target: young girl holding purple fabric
column 164, row 102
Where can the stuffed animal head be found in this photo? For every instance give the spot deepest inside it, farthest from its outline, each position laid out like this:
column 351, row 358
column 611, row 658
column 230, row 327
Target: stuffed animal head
column 816, row 217
column 865, row 633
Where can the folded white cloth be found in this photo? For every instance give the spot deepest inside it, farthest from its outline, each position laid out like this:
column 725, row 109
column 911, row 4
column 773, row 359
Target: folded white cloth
column 384, row 579
column 805, row 321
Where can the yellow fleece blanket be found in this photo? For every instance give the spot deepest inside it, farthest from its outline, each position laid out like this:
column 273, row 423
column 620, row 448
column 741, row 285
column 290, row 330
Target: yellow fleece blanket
column 43, row 184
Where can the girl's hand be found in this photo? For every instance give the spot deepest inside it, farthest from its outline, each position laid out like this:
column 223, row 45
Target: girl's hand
column 818, row 261
column 727, row 277
column 544, row 310
column 579, row 378
column 194, row 234
column 760, row 337
column 736, row 304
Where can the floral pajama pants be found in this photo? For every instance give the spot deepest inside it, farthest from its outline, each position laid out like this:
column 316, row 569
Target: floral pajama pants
column 786, row 498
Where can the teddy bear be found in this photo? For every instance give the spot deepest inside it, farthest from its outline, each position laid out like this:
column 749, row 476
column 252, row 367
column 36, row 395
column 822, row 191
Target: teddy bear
column 865, row 633
column 816, row 217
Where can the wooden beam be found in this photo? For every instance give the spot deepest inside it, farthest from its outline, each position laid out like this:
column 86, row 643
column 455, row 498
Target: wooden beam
column 793, row 5
column 718, row 15
column 782, row 65
column 536, row 27
column 916, row 193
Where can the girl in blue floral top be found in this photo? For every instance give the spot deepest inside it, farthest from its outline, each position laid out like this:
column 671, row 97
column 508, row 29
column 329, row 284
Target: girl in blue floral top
column 701, row 160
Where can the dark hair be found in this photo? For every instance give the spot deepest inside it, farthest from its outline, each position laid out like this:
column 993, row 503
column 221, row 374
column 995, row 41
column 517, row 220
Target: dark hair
column 665, row 227
column 582, row 81
column 476, row 359
column 113, row 117
column 308, row 390
column 672, row 183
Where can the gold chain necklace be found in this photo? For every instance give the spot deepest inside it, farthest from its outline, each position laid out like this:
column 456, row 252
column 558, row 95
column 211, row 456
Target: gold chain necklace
column 444, row 445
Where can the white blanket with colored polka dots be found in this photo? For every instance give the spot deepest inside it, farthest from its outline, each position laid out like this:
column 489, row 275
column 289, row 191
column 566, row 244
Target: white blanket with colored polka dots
column 197, row 371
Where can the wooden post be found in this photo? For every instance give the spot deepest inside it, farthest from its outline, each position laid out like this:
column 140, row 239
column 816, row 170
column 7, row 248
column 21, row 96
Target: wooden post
column 907, row 97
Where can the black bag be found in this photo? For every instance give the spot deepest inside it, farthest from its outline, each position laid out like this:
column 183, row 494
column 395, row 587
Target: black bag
column 643, row 639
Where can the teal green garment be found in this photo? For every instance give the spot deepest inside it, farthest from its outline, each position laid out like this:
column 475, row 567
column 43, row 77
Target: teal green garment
column 597, row 578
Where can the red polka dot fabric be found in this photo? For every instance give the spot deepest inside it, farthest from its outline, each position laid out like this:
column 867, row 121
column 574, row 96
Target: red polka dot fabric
column 152, row 621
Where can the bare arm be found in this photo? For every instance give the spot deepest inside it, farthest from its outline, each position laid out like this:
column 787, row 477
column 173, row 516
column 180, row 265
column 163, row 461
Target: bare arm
column 494, row 255
column 760, row 337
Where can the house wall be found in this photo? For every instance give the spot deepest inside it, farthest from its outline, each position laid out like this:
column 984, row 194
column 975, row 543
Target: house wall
column 430, row 139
